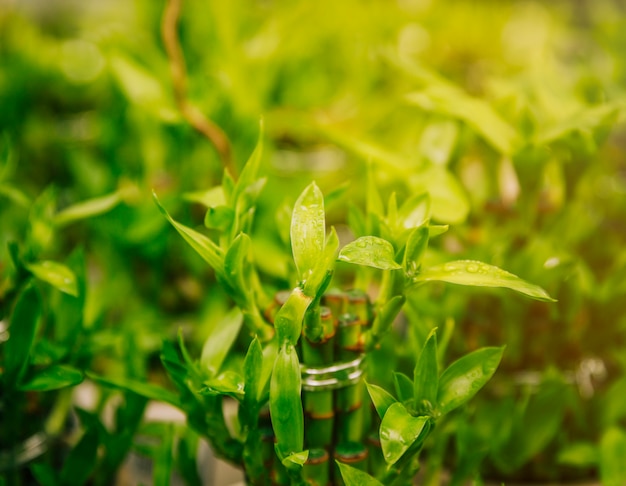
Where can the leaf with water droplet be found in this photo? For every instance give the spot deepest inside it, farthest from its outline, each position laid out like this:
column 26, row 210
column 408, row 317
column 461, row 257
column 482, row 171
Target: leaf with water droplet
column 308, row 230
column 370, row 251
column 463, row 378
column 355, row 477
column 56, row 274
column 399, row 430
column 479, row 274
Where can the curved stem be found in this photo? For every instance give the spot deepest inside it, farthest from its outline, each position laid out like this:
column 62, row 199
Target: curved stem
column 189, row 111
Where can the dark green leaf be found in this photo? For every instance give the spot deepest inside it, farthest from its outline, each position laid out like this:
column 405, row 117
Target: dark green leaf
column 399, row 430
column 308, row 230
column 286, row 404
column 382, row 399
column 478, row 274
column 253, row 368
column 81, row 462
column 219, row 342
column 22, row 329
column 426, row 375
column 463, row 378
column 355, row 477
column 45, row 475
column 403, row 385
column 164, row 457
column 147, row 390
column 53, row 378
column 236, row 262
column 370, row 251
column 56, row 274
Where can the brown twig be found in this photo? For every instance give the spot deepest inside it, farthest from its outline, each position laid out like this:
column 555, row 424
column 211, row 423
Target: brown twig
column 190, row 112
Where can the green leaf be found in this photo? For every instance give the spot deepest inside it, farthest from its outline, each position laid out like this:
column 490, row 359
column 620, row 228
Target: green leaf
column 288, row 320
column 308, row 230
column 355, row 477
column 463, row 378
column 612, row 454
column 415, row 211
column 147, row 390
column 22, row 329
column 399, row 430
column 219, row 217
column 320, row 276
column 209, row 251
column 15, row 195
column 477, row 113
column 385, row 316
column 164, row 457
column 450, row 203
column 370, row 251
column 381, row 399
column 210, row 198
column 53, row 378
column 438, row 140
column 56, row 274
column 404, row 386
column 415, row 248
column 296, row 460
column 253, row 369
column 81, row 461
column 228, row 383
column 478, row 274
column 45, row 475
column 249, row 174
column 236, row 263
column 286, row 404
column 142, row 88
column 426, row 375
column 219, row 342
column 579, row 454
column 87, row 209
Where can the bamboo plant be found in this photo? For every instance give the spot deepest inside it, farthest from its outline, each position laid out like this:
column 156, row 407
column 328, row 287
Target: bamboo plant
column 299, row 388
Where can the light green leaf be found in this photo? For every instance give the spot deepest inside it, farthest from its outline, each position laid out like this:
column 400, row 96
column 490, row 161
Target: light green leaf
column 399, row 430
column 463, row 378
column 355, row 477
column 478, row 274
column 142, row 88
column 381, row 399
column 15, row 194
column 416, row 245
column 249, row 174
column 612, row 454
column 87, row 209
column 438, row 140
column 219, row 217
column 324, row 266
column 296, row 460
column 228, row 383
column 450, row 203
column 209, row 198
column 53, row 378
column 370, row 251
column 219, row 342
column 236, row 263
column 415, row 211
column 56, row 274
column 308, row 230
column 385, row 316
column 209, row 251
column 579, row 454
column 288, row 320
column 477, row 113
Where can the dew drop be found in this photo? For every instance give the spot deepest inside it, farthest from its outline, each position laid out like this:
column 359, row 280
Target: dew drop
column 472, row 268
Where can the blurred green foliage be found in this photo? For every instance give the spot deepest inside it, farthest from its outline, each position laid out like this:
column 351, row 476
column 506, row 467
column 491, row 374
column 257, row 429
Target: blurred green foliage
column 509, row 114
